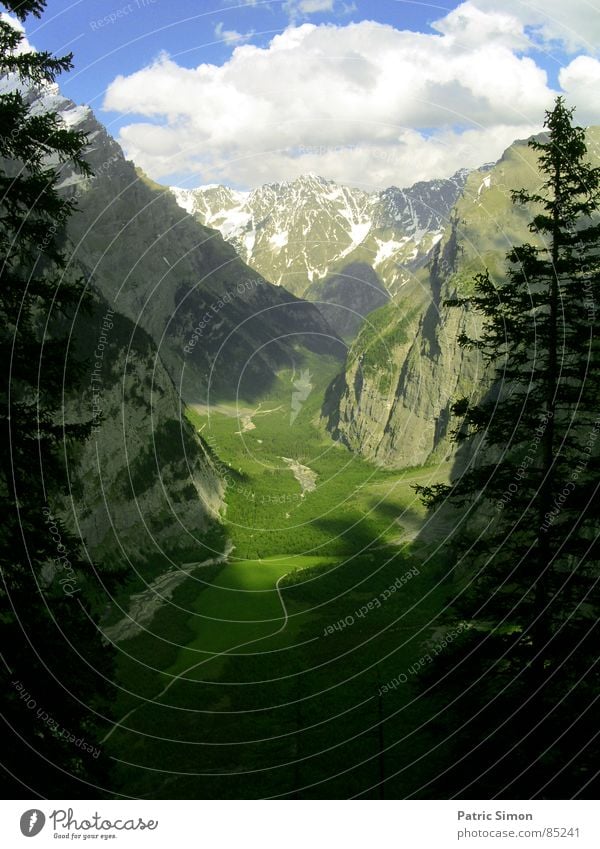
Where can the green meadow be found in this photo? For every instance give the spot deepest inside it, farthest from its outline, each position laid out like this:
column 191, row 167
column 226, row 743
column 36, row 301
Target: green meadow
column 261, row 676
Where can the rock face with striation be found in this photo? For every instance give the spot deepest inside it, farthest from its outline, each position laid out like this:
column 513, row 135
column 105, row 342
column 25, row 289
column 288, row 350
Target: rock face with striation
column 144, row 482
column 404, row 371
column 392, row 402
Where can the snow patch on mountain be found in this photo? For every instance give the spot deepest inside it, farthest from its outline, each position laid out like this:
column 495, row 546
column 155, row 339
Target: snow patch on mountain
column 279, row 240
column 75, row 115
column 185, row 198
column 386, row 249
column 249, row 241
column 358, row 233
column 485, row 184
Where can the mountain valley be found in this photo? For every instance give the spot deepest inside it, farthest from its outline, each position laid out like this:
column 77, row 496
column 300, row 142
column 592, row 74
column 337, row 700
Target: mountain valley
column 309, row 424
column 256, row 431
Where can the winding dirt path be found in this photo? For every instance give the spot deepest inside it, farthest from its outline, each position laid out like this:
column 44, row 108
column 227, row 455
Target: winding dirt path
column 200, row 663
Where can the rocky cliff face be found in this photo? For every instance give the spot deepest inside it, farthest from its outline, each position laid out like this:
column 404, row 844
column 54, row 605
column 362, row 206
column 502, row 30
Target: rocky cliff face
column 392, row 401
column 144, row 482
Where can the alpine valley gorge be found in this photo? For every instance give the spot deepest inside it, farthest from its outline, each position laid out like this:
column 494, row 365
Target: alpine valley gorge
column 270, row 378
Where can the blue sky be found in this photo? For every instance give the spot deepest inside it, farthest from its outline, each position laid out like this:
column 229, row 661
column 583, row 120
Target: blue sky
column 186, row 30
column 149, row 68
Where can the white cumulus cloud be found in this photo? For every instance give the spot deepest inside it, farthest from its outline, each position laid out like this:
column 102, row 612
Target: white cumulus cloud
column 231, row 36
column 575, row 24
column 469, row 26
column 581, row 82
column 362, row 103
column 309, row 7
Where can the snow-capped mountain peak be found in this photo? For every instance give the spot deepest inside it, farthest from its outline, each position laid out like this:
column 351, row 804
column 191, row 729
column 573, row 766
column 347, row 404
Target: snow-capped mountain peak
column 299, row 231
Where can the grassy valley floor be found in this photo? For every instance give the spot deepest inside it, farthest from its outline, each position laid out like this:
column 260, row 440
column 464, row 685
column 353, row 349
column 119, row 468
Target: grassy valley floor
column 261, row 677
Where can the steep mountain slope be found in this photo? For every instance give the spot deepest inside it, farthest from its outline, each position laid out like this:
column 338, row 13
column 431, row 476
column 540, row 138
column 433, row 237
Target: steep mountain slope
column 217, row 323
column 219, row 326
column 392, row 402
column 347, row 296
column 144, row 482
column 298, row 233
column 178, row 314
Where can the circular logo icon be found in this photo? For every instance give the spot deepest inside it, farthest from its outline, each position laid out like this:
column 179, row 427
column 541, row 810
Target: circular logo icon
column 32, row 822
